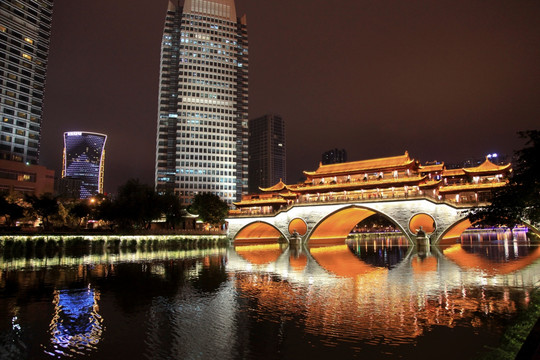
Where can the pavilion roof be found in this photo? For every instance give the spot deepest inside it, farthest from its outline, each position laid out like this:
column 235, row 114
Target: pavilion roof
column 288, row 194
column 471, row 187
column 277, row 187
column 487, row 167
column 361, row 166
column 430, row 183
column 453, row 172
column 431, row 168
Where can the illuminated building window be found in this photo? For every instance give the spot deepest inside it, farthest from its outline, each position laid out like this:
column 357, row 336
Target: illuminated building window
column 28, row 40
column 26, row 56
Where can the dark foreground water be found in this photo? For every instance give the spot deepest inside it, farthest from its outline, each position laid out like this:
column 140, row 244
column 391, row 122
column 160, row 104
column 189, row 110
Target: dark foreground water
column 374, row 298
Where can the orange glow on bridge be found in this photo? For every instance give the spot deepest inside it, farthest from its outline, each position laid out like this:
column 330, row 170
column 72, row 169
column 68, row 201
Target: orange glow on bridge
column 339, row 224
column 299, row 225
column 422, row 220
column 456, row 230
column 257, row 232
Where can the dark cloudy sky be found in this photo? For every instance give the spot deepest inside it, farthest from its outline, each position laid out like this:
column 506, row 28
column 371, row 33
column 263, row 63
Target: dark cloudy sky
column 445, row 80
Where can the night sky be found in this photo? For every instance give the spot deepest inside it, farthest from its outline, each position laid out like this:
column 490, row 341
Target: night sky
column 445, row 80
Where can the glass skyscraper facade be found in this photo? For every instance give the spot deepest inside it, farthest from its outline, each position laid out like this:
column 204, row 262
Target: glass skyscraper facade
column 25, row 28
column 202, row 126
column 84, row 159
column 267, row 152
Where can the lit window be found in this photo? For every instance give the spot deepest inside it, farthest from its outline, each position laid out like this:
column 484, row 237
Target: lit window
column 3, row 28
column 28, row 40
column 26, row 56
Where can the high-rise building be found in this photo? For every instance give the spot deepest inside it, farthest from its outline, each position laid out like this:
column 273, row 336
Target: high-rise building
column 267, row 152
column 84, row 159
column 202, row 125
column 25, row 28
column 334, row 156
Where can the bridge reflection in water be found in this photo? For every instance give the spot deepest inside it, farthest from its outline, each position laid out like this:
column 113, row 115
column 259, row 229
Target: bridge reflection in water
column 381, row 289
column 376, row 296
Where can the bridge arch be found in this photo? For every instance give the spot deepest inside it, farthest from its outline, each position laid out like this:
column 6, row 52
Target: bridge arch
column 423, row 220
column 338, row 224
column 454, row 231
column 299, row 225
column 259, row 232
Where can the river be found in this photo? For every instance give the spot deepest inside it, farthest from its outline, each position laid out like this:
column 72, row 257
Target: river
column 375, row 297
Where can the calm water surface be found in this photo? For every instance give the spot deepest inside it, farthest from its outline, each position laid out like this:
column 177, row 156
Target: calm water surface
column 375, row 297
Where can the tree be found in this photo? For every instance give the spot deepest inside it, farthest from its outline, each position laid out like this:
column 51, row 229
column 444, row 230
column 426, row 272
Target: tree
column 210, row 208
column 80, row 210
column 172, row 209
column 11, row 211
column 519, row 201
column 106, row 210
column 45, row 206
column 137, row 205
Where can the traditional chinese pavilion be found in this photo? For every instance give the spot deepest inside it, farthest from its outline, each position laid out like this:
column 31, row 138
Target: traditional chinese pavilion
column 384, row 178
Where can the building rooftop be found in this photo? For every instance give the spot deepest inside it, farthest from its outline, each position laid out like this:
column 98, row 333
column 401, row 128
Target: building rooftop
column 362, row 166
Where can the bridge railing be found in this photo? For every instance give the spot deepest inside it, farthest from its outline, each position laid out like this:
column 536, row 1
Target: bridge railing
column 341, row 199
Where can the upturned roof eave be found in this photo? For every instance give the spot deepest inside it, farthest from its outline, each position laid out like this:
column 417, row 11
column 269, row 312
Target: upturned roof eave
column 357, row 171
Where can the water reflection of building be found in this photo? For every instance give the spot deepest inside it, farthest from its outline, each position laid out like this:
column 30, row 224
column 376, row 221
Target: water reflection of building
column 350, row 297
column 492, row 253
column 76, row 326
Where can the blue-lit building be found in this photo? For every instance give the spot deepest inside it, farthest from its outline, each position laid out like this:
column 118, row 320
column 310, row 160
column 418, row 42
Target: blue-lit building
column 84, row 159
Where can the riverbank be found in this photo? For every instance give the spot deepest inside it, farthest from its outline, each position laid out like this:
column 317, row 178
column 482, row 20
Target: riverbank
column 17, row 245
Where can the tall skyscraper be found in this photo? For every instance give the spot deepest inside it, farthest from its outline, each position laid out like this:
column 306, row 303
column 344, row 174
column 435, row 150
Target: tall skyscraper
column 202, row 125
column 25, row 28
column 267, row 152
column 334, row 156
column 84, row 159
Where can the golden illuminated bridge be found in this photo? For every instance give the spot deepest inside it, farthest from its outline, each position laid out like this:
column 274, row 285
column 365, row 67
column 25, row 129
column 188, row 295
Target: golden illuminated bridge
column 336, row 197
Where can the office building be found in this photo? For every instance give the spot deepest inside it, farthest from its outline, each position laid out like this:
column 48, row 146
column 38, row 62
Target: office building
column 17, row 178
column 84, row 159
column 334, row 156
column 267, row 152
column 202, row 125
column 25, row 28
